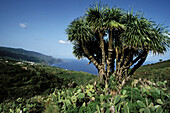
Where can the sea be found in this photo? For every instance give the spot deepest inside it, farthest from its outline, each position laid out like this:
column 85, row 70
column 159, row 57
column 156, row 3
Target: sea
column 81, row 65
column 78, row 65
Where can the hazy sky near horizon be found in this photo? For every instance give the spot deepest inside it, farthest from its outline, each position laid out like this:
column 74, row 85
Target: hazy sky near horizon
column 39, row 25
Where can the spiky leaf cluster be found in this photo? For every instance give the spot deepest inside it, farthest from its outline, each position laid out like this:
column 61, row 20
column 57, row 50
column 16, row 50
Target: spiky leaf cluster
column 115, row 40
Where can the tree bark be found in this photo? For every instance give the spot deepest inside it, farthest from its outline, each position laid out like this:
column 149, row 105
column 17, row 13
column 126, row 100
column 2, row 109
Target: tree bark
column 90, row 57
column 136, row 59
column 102, row 66
column 142, row 60
column 110, row 52
column 122, row 72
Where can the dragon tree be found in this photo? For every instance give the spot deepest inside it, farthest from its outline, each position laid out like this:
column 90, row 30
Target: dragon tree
column 117, row 42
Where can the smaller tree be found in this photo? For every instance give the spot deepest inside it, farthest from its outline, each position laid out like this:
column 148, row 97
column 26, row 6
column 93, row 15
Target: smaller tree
column 160, row 60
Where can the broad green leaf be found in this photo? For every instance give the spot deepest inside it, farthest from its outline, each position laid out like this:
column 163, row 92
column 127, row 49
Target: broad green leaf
column 117, row 99
column 152, row 108
column 159, row 101
column 89, row 94
column 126, row 109
column 81, row 95
column 159, row 110
column 141, row 104
column 101, row 97
column 124, row 92
column 147, row 110
column 141, row 110
column 156, row 106
column 25, row 109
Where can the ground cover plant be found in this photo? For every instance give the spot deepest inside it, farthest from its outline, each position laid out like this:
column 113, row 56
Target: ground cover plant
column 141, row 96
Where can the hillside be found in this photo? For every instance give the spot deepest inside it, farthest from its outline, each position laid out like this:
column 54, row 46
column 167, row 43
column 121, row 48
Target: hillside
column 156, row 72
column 25, row 79
column 24, row 55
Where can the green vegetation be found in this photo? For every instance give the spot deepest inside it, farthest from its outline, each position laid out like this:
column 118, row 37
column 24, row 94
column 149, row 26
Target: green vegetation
column 24, row 79
column 23, row 55
column 34, row 88
column 27, row 87
column 155, row 72
column 142, row 98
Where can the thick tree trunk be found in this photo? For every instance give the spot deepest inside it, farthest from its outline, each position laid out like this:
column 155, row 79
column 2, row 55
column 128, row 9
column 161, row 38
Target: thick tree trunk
column 116, row 72
column 102, row 66
column 101, row 75
column 121, row 71
column 110, row 52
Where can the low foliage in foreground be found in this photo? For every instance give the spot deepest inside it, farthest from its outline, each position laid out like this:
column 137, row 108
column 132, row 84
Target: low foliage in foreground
column 142, row 96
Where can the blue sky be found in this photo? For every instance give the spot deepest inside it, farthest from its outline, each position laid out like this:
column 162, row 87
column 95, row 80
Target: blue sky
column 39, row 25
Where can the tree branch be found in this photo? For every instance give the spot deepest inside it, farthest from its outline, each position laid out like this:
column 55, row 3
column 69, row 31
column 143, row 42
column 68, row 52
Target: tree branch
column 90, row 57
column 142, row 60
column 136, row 59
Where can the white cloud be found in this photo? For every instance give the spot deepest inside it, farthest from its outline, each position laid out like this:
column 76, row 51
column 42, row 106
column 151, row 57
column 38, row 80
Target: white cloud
column 63, row 42
column 23, row 25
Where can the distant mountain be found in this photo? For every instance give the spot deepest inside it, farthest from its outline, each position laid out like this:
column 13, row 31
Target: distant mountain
column 24, row 55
